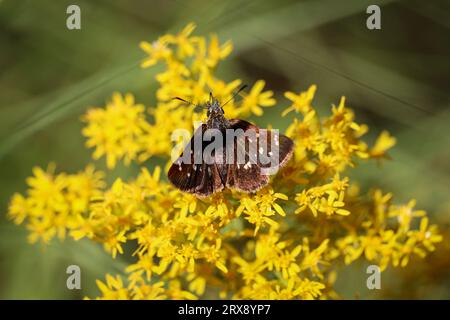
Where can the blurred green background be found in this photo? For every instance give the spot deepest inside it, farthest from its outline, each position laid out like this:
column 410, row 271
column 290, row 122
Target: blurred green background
column 396, row 78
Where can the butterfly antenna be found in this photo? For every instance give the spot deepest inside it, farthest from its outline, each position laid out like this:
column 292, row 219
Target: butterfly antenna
column 181, row 99
column 188, row 102
column 235, row 94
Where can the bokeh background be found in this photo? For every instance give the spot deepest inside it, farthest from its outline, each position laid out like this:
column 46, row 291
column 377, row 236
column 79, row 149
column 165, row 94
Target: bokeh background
column 396, row 78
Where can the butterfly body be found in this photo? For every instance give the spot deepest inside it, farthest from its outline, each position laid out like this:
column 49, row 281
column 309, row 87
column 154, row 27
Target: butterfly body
column 234, row 162
column 216, row 116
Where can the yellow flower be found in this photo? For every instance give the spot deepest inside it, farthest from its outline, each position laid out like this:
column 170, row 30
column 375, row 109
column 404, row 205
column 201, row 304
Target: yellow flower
column 144, row 291
column 113, row 288
column 306, row 134
column 334, row 204
column 256, row 99
column 301, row 102
column 183, row 41
column 250, row 270
column 186, row 203
column 308, row 289
column 217, row 52
column 156, row 51
column 312, row 259
column 328, row 198
column 427, row 235
column 18, row 208
column 113, row 243
column 260, row 207
column 145, row 265
column 176, row 292
column 384, row 142
column 286, row 263
column 55, row 203
column 115, row 130
column 214, row 254
column 232, row 244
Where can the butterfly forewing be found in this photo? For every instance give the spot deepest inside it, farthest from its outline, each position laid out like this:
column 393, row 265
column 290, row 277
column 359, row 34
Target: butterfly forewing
column 190, row 175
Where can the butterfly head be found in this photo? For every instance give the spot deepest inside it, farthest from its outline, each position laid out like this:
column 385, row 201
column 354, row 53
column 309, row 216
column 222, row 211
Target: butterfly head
column 215, row 113
column 214, row 109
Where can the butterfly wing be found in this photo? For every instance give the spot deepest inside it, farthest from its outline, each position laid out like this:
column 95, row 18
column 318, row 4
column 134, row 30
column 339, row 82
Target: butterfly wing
column 278, row 148
column 246, row 172
column 251, row 174
column 199, row 178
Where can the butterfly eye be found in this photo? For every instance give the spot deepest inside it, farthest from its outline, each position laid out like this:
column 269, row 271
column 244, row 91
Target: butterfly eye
column 208, row 113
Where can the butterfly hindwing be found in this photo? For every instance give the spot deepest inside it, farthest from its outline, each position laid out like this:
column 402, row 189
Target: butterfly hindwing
column 286, row 148
column 278, row 149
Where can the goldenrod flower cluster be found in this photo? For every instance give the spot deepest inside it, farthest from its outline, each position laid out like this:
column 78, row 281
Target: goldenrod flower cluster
column 287, row 241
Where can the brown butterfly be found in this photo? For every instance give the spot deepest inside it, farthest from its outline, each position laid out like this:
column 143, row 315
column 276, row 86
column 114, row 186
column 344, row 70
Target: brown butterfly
column 241, row 155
